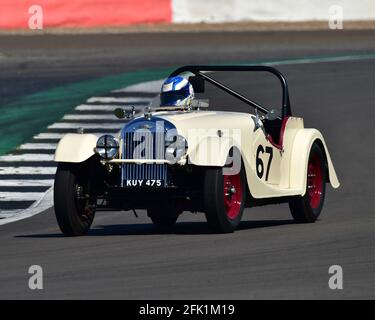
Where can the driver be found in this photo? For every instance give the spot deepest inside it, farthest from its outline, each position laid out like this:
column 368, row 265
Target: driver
column 176, row 92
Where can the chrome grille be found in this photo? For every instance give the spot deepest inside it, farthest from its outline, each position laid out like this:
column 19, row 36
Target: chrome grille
column 133, row 171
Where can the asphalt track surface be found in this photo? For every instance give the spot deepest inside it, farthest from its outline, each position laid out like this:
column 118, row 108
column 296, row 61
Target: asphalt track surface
column 269, row 256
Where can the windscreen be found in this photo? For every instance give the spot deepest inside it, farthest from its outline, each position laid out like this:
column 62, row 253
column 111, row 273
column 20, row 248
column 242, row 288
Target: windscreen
column 172, row 98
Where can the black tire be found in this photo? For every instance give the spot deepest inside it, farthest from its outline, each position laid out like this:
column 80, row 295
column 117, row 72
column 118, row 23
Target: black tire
column 164, row 216
column 224, row 209
column 74, row 211
column 307, row 208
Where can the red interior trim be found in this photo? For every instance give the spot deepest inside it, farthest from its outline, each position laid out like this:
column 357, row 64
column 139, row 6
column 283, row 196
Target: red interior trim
column 281, row 139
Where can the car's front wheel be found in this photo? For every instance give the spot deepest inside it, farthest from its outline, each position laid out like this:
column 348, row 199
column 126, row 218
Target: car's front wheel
column 307, row 208
column 224, row 198
column 74, row 200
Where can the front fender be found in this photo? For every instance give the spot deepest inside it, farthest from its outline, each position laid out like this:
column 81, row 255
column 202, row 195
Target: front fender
column 303, row 142
column 75, row 147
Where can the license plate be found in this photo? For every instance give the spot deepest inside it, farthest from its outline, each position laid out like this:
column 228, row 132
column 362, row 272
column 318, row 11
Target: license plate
column 143, row 183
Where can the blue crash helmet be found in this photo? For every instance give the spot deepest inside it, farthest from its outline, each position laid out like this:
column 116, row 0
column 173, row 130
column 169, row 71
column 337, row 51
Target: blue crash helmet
column 176, row 91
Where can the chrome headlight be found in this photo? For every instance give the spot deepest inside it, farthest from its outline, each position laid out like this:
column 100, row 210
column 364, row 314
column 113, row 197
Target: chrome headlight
column 176, row 150
column 107, row 147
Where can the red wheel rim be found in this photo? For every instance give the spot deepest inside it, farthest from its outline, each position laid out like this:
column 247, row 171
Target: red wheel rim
column 315, row 182
column 232, row 195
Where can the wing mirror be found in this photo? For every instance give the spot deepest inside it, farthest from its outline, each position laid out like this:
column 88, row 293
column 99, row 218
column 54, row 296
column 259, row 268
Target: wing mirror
column 198, row 83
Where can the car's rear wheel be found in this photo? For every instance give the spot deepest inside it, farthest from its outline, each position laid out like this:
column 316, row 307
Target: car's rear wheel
column 224, row 198
column 74, row 199
column 307, row 208
column 164, row 216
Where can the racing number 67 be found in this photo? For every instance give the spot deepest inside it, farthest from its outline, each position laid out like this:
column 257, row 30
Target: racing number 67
column 259, row 163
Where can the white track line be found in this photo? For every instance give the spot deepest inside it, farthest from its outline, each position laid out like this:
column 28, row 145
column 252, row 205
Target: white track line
column 118, row 100
column 98, row 107
column 32, row 146
column 27, row 157
column 20, row 196
column 27, row 170
column 72, row 125
column 149, row 87
column 54, row 136
column 47, row 135
column 90, row 117
column 7, row 214
column 43, row 203
column 105, row 107
column 26, row 183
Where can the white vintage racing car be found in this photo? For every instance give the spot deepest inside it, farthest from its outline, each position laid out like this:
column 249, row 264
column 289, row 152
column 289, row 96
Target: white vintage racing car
column 177, row 155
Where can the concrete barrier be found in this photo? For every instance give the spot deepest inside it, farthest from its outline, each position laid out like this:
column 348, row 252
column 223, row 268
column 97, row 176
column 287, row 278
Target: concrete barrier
column 218, row 11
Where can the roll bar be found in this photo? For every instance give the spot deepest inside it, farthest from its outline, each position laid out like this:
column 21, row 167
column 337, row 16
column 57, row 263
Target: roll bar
column 199, row 70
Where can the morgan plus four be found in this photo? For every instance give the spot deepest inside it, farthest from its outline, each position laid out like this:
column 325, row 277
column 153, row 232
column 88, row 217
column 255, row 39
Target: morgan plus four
column 176, row 155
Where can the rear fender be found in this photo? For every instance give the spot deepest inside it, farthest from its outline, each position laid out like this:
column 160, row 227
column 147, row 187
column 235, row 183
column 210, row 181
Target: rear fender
column 303, row 142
